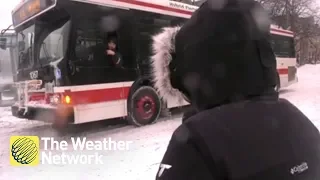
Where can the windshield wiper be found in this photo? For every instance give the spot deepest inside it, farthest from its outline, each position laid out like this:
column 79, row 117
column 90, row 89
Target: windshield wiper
column 46, row 53
column 44, row 45
column 22, row 54
column 30, row 49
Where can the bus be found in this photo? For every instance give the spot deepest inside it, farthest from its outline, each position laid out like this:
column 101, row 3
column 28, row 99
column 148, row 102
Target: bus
column 62, row 72
column 8, row 54
column 282, row 42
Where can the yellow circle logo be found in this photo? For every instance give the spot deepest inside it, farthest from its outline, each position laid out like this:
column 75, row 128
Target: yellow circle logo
column 24, row 150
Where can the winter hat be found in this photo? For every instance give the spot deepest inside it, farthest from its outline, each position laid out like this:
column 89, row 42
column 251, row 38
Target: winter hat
column 220, row 55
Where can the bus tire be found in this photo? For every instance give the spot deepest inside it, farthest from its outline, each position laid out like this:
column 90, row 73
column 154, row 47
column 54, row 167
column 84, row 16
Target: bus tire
column 144, row 106
column 277, row 87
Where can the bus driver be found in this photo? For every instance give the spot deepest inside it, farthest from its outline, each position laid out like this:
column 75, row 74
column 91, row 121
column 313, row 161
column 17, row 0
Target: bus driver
column 113, row 54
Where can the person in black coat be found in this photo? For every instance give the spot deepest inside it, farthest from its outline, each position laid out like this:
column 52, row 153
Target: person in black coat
column 221, row 61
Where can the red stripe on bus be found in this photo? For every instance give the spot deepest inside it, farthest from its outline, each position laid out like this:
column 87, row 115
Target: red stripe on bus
column 281, row 31
column 89, row 96
column 283, row 71
column 99, row 95
column 166, row 8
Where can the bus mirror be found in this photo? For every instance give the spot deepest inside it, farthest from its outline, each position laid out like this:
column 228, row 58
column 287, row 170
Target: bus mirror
column 21, row 46
column 3, row 43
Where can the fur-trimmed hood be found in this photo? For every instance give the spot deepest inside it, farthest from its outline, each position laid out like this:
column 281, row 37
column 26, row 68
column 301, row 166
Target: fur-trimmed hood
column 220, row 56
column 163, row 47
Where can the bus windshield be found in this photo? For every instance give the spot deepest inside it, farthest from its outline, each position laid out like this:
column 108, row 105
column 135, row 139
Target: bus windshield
column 283, row 46
column 25, row 47
column 53, row 41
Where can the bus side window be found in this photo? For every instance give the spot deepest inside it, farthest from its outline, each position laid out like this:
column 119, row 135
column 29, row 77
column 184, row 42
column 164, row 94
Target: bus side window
column 147, row 25
column 89, row 41
column 125, row 41
column 87, row 54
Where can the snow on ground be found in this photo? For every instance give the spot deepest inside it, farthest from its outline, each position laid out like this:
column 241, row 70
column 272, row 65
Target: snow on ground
column 141, row 161
column 306, row 93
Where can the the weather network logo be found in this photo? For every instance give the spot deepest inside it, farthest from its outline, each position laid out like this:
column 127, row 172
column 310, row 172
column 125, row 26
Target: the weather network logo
column 24, row 150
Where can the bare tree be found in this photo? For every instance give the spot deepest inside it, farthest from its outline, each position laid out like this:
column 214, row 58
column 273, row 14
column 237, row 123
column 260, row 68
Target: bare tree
column 299, row 16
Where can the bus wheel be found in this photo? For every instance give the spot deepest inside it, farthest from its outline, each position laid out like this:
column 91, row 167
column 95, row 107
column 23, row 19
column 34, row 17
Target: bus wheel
column 144, row 106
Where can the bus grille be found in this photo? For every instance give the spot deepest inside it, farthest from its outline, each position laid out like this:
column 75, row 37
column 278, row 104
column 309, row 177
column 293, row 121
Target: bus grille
column 292, row 70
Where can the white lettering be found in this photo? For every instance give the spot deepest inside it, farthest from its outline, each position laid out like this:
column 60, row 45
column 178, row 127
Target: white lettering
column 84, row 159
column 182, row 6
column 78, row 144
column 98, row 159
column 89, row 145
column 49, row 158
column 105, row 144
column 63, row 145
column 56, row 159
column 63, row 158
column 114, row 143
column 299, row 168
column 54, row 145
column 46, row 158
column 162, row 168
column 98, row 146
column 45, row 140
column 121, row 145
column 73, row 159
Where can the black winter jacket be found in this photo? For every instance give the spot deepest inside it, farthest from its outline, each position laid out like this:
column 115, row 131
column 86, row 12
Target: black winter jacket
column 224, row 65
column 250, row 140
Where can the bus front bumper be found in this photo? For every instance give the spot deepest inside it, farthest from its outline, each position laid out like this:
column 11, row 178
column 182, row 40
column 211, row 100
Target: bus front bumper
column 60, row 114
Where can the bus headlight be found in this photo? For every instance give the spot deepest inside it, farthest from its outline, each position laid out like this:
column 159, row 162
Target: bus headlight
column 55, row 99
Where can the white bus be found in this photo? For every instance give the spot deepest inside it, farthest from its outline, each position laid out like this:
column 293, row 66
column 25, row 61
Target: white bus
column 62, row 72
column 283, row 45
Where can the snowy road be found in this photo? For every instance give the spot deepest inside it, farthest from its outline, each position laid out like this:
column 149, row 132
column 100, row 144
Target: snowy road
column 140, row 162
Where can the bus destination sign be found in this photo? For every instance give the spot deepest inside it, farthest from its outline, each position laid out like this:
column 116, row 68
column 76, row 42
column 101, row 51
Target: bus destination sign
column 29, row 9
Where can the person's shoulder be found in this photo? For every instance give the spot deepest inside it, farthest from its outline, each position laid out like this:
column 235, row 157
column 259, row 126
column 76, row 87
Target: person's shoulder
column 203, row 120
column 192, row 123
column 209, row 114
